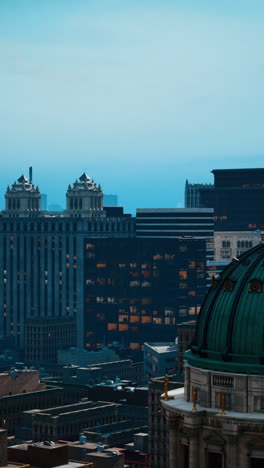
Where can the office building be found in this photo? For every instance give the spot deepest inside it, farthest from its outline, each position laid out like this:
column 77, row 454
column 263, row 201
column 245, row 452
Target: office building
column 160, row 359
column 237, row 198
column 42, row 261
column 174, row 223
column 217, row 419
column 177, row 223
column 192, row 194
column 43, row 455
column 92, row 275
column 139, row 289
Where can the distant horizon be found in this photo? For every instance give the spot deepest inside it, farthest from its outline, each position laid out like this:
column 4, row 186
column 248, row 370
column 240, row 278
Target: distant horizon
column 61, row 198
column 140, row 94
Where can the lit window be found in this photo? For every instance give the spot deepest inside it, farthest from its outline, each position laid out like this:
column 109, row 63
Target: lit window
column 134, row 283
column 112, row 326
column 134, row 346
column 183, row 274
column 123, row 318
column 134, row 318
column 146, row 300
column 146, row 319
column 123, row 327
column 145, row 284
column 157, row 257
column 157, row 320
column 191, row 293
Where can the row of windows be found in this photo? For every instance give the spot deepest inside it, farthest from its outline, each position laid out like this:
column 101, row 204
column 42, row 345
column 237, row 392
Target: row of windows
column 113, row 226
column 242, row 244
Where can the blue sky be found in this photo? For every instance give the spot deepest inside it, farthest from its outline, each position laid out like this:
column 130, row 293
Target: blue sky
column 140, row 94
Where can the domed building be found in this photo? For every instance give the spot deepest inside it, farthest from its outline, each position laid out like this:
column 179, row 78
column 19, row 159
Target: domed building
column 217, row 420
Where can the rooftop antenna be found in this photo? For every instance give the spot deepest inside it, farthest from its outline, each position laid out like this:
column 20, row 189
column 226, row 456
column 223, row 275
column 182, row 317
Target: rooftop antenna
column 30, row 174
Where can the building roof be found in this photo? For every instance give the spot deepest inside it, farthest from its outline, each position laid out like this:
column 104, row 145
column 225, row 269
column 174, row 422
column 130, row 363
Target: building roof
column 230, row 327
column 162, row 347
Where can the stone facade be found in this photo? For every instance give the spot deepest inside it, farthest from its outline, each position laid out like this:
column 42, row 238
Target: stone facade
column 23, row 199
column 207, row 431
column 229, row 244
column 20, row 381
column 84, row 198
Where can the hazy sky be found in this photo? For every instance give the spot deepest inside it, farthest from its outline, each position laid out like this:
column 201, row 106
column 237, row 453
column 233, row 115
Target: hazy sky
column 141, row 94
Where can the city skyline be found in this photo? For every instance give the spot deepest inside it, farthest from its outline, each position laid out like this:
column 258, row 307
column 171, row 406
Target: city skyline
column 141, row 95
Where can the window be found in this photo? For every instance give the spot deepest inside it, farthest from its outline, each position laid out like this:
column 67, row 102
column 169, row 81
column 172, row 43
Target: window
column 225, row 244
column 134, row 345
column 183, row 274
column 146, row 319
column 134, row 318
column 112, row 326
column 191, row 293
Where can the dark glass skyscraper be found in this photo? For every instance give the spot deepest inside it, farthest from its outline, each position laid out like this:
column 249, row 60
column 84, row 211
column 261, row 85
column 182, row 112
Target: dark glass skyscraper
column 237, row 198
column 139, row 289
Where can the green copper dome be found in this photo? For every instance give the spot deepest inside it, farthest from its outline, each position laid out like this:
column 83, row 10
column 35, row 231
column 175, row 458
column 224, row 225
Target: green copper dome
column 230, row 328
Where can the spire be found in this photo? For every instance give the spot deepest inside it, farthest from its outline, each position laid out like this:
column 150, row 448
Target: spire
column 22, row 179
column 84, row 177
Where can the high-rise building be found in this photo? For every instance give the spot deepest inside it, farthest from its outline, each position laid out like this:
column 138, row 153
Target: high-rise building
column 137, row 290
column 192, row 194
column 42, row 259
column 91, row 275
column 237, row 198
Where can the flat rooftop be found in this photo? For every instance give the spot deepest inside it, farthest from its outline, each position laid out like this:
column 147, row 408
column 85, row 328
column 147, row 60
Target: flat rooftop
column 162, row 347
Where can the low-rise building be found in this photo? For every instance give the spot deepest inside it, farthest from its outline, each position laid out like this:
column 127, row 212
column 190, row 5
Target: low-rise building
column 20, row 381
column 90, row 375
column 82, row 357
column 160, row 359
column 44, row 455
column 109, row 458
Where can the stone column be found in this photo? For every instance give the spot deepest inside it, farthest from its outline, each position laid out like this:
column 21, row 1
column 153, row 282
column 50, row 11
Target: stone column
column 232, row 451
column 173, row 440
column 194, row 455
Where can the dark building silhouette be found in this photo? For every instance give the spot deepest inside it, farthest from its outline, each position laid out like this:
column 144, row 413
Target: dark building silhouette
column 192, row 197
column 54, row 294
column 42, row 259
column 237, row 198
column 137, row 290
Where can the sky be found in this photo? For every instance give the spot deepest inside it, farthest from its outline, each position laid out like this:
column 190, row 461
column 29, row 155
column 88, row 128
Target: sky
column 140, row 94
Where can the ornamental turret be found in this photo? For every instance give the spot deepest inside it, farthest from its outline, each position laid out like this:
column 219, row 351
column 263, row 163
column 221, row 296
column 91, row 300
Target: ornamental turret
column 22, row 199
column 84, row 198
